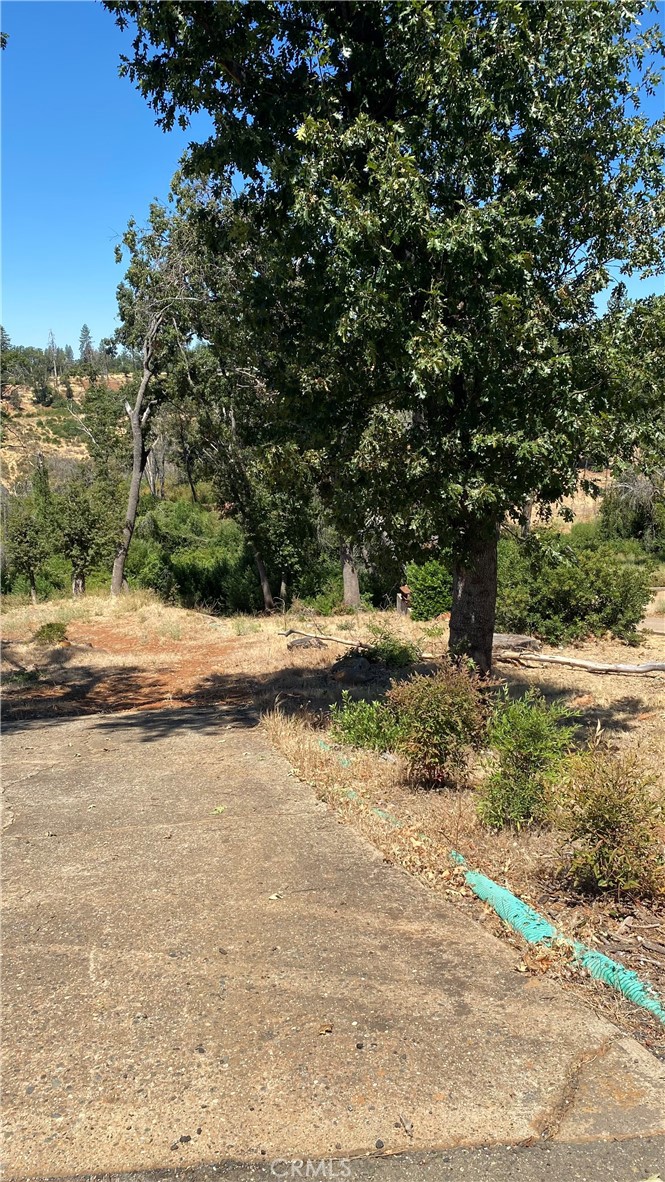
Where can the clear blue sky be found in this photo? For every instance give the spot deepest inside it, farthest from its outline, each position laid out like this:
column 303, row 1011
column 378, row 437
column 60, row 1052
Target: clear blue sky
column 81, row 154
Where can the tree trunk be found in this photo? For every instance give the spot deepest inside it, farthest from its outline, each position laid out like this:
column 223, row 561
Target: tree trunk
column 33, row 587
column 151, row 472
column 186, row 456
column 527, row 511
column 283, row 590
column 268, row 601
column 349, row 576
column 78, row 584
column 474, row 602
column 138, row 416
column 139, row 458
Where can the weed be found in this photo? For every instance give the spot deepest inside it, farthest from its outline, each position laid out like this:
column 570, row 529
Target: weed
column 52, row 633
column 612, row 817
column 530, row 743
column 22, row 677
column 243, row 625
column 441, row 719
column 364, row 724
column 434, row 631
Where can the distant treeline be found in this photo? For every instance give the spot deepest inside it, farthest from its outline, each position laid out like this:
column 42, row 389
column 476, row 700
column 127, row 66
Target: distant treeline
column 48, row 372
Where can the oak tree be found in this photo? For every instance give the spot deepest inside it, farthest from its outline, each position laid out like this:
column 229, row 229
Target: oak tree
column 451, row 182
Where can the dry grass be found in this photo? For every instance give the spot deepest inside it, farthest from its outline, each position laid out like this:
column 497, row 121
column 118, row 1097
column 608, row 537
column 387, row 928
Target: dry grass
column 23, row 618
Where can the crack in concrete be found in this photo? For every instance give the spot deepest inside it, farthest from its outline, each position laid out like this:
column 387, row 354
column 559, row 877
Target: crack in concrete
column 549, row 1124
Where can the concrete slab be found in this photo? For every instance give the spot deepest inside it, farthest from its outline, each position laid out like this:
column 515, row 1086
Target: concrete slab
column 201, row 963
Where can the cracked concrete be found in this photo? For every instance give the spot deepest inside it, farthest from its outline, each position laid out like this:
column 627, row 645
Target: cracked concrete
column 201, row 963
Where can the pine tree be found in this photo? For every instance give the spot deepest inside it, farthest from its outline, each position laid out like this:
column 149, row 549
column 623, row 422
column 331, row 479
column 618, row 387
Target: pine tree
column 52, row 352
column 85, row 344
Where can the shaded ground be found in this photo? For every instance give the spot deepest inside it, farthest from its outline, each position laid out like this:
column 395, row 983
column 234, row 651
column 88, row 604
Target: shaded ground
column 608, row 1161
column 200, row 964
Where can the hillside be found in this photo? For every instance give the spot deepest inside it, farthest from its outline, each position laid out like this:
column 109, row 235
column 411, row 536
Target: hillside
column 29, row 428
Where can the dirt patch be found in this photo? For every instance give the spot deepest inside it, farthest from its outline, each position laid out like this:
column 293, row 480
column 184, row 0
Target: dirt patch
column 138, row 653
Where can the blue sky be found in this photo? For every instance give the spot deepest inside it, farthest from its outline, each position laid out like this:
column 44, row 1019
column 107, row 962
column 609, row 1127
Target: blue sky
column 80, row 155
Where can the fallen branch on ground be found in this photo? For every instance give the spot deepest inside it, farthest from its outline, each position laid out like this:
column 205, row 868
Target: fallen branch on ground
column 320, row 636
column 593, row 666
column 338, row 640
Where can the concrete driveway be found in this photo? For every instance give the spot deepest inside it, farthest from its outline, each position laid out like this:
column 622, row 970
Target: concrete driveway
column 201, row 964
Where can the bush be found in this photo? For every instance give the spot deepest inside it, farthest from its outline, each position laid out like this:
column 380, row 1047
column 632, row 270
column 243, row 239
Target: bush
column 431, row 587
column 634, row 508
column 184, row 551
column 394, row 652
column 611, row 817
column 556, row 590
column 364, row 724
column 441, row 719
column 52, row 633
column 530, row 745
column 330, row 599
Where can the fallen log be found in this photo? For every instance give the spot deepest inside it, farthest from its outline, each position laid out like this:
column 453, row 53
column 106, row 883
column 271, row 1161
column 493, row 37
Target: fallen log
column 591, row 666
column 513, row 641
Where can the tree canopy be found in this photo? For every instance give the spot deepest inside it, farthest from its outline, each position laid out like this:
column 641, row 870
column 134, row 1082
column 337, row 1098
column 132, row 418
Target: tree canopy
column 443, row 185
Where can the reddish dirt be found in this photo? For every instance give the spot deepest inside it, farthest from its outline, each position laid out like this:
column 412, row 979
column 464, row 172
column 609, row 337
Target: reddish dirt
column 103, row 669
column 106, row 666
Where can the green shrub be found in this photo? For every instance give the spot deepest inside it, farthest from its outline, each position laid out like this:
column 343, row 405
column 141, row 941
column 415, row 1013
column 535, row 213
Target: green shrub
column 364, row 724
column 530, row 744
column 441, row 719
column 392, row 650
column 634, row 508
column 611, row 816
column 52, row 633
column 558, row 591
column 200, row 574
column 185, row 552
column 431, row 587
column 329, row 601
column 148, row 566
